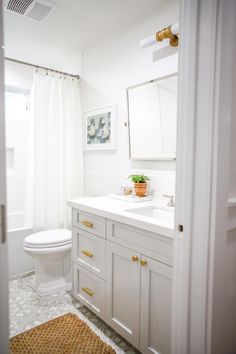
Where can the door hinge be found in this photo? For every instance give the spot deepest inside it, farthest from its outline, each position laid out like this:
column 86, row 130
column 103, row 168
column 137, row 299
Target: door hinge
column 3, row 223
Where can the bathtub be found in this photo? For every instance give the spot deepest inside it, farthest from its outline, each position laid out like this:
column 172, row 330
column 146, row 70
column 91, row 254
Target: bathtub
column 19, row 261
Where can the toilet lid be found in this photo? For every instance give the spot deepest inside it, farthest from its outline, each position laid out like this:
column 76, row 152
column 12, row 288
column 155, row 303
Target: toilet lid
column 49, row 238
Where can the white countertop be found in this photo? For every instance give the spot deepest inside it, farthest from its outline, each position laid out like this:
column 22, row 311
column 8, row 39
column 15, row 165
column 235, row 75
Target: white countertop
column 118, row 210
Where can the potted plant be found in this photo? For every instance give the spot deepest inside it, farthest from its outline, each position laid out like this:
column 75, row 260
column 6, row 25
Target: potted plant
column 140, row 184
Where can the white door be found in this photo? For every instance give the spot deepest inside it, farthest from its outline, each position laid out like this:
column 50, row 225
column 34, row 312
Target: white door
column 155, row 324
column 3, row 245
column 123, row 291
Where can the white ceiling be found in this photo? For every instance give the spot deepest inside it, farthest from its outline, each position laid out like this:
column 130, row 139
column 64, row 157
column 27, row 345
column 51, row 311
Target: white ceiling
column 74, row 25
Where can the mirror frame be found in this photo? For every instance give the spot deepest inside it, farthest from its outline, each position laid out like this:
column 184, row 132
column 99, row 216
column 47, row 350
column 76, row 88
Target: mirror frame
column 167, row 158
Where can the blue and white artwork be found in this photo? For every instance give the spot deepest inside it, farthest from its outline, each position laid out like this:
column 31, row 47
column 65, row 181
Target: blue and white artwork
column 100, row 134
column 99, row 128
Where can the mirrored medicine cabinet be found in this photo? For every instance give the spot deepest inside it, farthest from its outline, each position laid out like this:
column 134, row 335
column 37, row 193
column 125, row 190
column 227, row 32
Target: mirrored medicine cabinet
column 152, row 112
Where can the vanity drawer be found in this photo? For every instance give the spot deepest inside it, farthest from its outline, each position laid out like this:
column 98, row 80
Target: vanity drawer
column 89, row 222
column 89, row 289
column 89, row 251
column 148, row 243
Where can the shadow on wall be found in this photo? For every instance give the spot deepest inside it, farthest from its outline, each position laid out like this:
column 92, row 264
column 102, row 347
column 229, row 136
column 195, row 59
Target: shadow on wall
column 164, row 53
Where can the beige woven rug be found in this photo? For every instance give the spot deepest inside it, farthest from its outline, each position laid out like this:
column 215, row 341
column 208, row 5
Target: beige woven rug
column 66, row 334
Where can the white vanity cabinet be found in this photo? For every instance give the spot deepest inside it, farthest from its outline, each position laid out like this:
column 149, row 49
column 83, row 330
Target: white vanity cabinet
column 124, row 275
column 138, row 286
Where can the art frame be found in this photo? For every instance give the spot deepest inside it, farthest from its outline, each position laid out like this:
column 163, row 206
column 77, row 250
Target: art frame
column 99, row 129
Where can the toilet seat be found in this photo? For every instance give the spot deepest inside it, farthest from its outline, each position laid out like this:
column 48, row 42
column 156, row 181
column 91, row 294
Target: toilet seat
column 48, row 239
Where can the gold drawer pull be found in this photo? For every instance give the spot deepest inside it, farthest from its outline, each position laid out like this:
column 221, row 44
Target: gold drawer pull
column 143, row 262
column 88, row 291
column 87, row 253
column 134, row 258
column 87, row 223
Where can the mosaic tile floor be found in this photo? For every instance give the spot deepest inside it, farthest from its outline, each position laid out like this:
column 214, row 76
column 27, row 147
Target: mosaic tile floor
column 28, row 309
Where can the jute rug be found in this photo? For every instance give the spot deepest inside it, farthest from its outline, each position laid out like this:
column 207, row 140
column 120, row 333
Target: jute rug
column 66, row 334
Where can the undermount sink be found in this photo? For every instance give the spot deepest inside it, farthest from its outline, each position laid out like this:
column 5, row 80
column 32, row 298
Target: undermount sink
column 154, row 212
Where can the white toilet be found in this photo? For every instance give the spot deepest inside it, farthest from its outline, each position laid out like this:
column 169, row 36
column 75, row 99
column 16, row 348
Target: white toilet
column 49, row 250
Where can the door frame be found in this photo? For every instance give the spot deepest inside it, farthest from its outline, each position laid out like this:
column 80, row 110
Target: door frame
column 4, row 332
column 203, row 159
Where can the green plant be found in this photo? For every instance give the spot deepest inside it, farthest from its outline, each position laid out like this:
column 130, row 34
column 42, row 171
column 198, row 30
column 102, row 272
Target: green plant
column 138, row 178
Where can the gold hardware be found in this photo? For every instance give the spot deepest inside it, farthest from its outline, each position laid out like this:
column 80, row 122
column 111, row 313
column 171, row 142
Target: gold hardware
column 134, row 258
column 88, row 291
column 174, row 41
column 87, row 253
column 143, row 262
column 167, row 33
column 87, row 223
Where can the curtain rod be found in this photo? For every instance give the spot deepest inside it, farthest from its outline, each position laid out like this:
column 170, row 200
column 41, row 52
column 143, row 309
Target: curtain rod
column 41, row 67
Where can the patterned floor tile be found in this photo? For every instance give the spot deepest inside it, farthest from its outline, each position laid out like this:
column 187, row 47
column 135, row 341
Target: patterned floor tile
column 28, row 309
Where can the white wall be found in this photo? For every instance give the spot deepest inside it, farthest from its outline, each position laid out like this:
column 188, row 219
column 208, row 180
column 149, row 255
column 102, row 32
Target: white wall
column 17, row 75
column 108, row 69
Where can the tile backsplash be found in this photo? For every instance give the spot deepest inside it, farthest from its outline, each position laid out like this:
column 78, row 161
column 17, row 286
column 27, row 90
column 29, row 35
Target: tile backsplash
column 97, row 183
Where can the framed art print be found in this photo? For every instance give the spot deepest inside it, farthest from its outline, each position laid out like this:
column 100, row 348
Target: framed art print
column 100, row 129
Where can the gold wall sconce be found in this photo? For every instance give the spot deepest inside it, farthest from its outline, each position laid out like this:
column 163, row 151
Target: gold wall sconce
column 166, row 33
column 171, row 32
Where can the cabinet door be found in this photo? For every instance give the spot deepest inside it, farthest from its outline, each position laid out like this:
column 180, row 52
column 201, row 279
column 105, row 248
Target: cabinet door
column 123, row 291
column 155, row 323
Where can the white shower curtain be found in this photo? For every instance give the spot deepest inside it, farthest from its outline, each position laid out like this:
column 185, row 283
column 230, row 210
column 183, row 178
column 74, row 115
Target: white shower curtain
column 58, row 156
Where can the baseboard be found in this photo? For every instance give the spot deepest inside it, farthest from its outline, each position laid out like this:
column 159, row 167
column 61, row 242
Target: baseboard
column 21, row 275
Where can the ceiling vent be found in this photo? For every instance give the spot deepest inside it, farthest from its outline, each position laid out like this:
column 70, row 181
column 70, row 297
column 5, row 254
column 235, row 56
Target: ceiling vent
column 37, row 10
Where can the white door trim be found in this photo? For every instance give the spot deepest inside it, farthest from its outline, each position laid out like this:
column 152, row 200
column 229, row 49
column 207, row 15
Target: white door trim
column 203, row 143
column 3, row 245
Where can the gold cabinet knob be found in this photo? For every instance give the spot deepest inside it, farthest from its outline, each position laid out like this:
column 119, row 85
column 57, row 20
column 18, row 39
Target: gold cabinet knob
column 143, row 262
column 134, row 258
